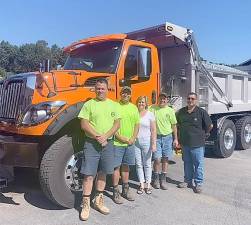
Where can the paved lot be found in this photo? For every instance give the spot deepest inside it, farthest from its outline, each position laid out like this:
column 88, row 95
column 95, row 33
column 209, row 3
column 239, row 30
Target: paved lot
column 226, row 200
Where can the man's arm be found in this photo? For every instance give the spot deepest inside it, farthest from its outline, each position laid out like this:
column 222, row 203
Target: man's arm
column 103, row 138
column 87, row 127
column 136, row 127
column 173, row 121
column 121, row 138
column 126, row 140
column 209, row 128
column 208, row 123
column 114, row 129
column 175, row 135
column 135, row 133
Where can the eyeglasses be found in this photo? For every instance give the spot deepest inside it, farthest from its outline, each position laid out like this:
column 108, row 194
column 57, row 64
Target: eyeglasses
column 191, row 98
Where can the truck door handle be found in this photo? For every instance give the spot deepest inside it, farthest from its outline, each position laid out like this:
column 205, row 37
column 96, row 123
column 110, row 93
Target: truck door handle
column 154, row 97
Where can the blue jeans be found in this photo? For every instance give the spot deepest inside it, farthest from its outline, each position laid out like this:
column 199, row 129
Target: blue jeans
column 124, row 155
column 143, row 155
column 193, row 164
column 164, row 147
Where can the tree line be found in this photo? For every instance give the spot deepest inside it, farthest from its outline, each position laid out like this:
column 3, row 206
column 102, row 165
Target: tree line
column 27, row 57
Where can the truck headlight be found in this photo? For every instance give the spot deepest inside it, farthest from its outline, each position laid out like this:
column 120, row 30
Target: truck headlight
column 41, row 112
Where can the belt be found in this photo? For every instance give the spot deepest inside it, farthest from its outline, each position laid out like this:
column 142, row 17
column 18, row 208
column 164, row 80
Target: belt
column 162, row 135
column 92, row 139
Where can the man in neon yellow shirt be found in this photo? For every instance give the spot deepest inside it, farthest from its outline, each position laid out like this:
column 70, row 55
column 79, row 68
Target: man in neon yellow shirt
column 124, row 145
column 100, row 120
column 166, row 130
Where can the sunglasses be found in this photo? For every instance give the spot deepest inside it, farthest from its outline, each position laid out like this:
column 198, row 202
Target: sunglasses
column 126, row 92
column 191, row 98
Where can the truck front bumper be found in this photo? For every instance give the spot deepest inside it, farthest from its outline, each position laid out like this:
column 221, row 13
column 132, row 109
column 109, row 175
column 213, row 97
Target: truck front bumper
column 18, row 151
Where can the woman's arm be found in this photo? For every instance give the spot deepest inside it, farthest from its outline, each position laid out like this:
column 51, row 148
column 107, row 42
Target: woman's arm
column 153, row 135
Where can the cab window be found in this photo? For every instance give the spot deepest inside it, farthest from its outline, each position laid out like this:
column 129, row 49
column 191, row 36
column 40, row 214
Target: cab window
column 138, row 62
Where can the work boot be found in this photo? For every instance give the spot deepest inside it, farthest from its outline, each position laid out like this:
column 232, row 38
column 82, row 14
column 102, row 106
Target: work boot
column 155, row 182
column 85, row 212
column 163, row 183
column 99, row 204
column 116, row 195
column 127, row 193
column 198, row 189
column 185, row 185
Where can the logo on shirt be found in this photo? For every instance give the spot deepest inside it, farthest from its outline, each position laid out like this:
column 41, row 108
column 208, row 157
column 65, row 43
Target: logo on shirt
column 112, row 114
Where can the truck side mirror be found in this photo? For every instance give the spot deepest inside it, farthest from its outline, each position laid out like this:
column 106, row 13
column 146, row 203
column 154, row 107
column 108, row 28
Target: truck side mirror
column 122, row 82
column 59, row 67
column 144, row 63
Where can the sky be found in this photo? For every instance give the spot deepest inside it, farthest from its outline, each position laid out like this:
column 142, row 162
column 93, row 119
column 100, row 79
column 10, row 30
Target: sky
column 222, row 28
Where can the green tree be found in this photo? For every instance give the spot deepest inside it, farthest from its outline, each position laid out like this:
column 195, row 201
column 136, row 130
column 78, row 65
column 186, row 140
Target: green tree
column 27, row 57
column 2, row 73
column 57, row 56
column 8, row 56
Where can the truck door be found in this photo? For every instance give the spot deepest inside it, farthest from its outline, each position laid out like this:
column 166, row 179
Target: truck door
column 139, row 71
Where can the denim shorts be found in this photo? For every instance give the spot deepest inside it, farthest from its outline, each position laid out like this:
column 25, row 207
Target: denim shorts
column 97, row 158
column 164, row 147
column 124, row 155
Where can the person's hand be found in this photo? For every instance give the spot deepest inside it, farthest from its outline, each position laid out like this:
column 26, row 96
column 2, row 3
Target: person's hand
column 153, row 148
column 175, row 143
column 104, row 143
column 207, row 135
column 131, row 141
column 101, row 139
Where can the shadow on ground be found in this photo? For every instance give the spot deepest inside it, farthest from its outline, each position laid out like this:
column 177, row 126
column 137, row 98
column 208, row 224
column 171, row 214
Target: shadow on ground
column 26, row 182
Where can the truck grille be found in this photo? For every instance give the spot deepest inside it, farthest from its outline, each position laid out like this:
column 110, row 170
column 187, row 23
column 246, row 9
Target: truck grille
column 11, row 97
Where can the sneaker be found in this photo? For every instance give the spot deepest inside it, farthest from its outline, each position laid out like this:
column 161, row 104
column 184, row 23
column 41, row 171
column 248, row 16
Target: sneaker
column 116, row 196
column 127, row 193
column 163, row 183
column 85, row 212
column 185, row 185
column 198, row 189
column 155, row 182
column 99, row 204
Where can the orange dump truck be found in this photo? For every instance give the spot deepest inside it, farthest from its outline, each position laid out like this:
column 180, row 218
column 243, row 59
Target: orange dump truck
column 38, row 110
column 38, row 124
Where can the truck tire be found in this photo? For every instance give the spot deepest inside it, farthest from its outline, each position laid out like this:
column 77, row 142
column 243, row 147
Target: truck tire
column 243, row 132
column 226, row 139
column 59, row 173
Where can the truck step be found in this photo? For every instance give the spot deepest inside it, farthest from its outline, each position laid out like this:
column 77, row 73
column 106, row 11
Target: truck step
column 3, row 182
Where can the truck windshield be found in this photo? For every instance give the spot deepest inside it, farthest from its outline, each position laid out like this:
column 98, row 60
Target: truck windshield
column 99, row 57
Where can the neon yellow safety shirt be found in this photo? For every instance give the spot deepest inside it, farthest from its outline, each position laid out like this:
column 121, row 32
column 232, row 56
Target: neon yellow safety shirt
column 129, row 118
column 165, row 118
column 100, row 114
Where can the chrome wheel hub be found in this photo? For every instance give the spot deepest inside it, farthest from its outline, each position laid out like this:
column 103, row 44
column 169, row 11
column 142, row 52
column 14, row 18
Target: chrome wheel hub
column 228, row 138
column 72, row 178
column 247, row 133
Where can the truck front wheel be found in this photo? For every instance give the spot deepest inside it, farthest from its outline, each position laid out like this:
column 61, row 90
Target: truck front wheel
column 59, row 173
column 226, row 139
column 243, row 131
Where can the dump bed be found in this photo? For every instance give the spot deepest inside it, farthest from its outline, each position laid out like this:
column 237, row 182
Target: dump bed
column 221, row 89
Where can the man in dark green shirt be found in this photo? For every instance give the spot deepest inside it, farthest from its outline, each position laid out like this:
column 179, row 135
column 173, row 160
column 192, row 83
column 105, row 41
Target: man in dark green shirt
column 194, row 125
